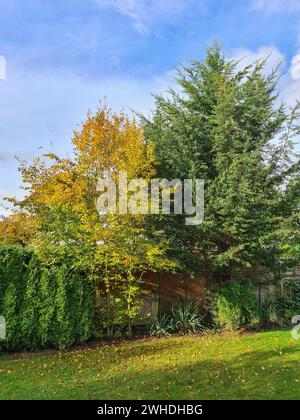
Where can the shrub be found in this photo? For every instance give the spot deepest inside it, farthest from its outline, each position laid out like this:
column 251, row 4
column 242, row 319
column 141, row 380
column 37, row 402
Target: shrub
column 111, row 313
column 237, row 305
column 43, row 306
column 13, row 266
column 186, row 319
column 208, row 305
column 282, row 303
column 162, row 327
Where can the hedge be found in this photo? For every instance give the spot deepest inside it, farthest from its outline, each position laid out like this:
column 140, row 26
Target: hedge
column 44, row 307
column 237, row 305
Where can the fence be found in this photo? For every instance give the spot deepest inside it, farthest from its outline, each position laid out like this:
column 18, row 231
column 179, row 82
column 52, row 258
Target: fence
column 163, row 291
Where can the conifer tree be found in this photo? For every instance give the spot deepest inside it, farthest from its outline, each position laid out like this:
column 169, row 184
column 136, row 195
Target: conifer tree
column 227, row 126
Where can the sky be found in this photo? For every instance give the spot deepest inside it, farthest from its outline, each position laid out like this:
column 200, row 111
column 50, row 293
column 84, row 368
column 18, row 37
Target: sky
column 63, row 57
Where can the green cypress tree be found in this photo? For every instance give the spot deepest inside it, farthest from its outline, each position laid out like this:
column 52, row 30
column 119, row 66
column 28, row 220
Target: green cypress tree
column 227, row 127
column 31, row 307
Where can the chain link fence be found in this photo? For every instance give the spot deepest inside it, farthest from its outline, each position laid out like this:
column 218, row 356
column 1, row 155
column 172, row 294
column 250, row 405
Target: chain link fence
column 161, row 293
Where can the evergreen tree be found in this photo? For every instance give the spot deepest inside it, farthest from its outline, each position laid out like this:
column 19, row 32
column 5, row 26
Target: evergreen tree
column 227, row 127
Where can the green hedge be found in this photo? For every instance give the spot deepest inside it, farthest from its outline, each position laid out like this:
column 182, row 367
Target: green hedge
column 282, row 303
column 43, row 306
column 237, row 305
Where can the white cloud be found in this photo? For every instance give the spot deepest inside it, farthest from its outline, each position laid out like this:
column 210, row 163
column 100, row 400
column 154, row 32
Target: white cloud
column 273, row 6
column 291, row 91
column 2, row 67
column 289, row 84
column 295, row 67
column 246, row 57
column 144, row 12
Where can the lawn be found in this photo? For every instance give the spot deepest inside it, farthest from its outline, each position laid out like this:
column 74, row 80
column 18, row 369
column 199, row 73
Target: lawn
column 264, row 365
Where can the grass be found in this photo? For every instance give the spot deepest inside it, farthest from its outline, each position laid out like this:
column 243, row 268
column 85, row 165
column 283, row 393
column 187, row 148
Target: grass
column 264, row 365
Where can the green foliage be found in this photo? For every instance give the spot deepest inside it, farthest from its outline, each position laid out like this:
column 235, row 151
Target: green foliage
column 47, row 320
column 207, row 303
column 13, row 263
column 282, row 303
column 31, row 306
column 225, row 125
column 186, row 319
column 121, row 274
column 222, row 129
column 162, row 327
column 112, row 314
column 43, row 306
column 237, row 305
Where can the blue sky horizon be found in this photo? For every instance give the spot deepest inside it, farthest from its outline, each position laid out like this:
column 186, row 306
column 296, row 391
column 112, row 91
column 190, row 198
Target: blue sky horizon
column 63, row 57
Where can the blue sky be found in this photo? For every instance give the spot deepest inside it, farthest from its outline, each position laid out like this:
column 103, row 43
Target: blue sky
column 64, row 56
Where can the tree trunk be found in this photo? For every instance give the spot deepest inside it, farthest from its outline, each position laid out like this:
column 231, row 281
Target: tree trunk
column 109, row 326
column 130, row 335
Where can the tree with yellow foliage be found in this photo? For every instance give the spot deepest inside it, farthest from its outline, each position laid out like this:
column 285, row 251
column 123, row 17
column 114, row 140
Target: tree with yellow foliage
column 61, row 205
column 17, row 228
